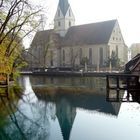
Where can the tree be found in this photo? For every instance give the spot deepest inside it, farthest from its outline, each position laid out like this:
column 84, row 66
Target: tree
column 84, row 62
column 73, row 56
column 113, row 60
column 18, row 18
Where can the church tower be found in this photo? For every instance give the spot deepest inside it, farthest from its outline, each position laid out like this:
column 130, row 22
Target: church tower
column 64, row 18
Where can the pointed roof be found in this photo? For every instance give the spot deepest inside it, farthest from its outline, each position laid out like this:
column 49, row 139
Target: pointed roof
column 87, row 34
column 94, row 33
column 64, row 5
column 43, row 37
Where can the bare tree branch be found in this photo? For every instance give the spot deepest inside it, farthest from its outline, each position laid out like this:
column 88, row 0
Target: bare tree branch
column 1, row 3
column 19, row 18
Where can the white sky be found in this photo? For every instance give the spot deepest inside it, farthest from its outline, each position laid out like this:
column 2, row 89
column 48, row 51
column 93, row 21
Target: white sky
column 89, row 11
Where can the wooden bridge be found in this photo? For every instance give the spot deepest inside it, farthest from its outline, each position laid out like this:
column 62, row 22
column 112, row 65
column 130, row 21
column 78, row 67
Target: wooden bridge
column 129, row 81
column 118, row 84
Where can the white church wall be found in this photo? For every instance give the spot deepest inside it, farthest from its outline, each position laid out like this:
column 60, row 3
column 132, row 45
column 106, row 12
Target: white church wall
column 85, row 53
column 117, row 44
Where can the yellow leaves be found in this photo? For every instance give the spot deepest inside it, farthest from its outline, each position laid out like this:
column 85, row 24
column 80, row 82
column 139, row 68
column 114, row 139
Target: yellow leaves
column 7, row 61
column 5, row 65
column 2, row 15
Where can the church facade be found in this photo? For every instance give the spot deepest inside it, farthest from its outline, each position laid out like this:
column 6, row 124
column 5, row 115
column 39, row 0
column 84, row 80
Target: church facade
column 68, row 45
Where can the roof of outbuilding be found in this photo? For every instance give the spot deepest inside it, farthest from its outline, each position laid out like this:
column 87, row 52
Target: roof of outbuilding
column 133, row 64
column 94, row 33
column 64, row 5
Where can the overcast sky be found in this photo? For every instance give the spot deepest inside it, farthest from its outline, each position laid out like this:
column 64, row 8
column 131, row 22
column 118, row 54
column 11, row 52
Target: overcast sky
column 89, row 11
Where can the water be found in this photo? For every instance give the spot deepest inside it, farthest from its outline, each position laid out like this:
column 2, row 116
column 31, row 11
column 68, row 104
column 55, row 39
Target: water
column 66, row 109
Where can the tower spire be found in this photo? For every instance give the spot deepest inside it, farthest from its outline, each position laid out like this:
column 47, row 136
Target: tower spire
column 64, row 18
column 64, row 6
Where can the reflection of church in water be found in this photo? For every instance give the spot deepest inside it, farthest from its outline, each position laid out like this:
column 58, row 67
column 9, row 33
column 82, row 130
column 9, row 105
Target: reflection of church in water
column 65, row 113
column 66, row 106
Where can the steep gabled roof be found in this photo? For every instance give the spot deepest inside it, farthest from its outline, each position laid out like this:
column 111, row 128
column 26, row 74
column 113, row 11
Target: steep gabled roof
column 43, row 37
column 64, row 5
column 95, row 33
column 87, row 34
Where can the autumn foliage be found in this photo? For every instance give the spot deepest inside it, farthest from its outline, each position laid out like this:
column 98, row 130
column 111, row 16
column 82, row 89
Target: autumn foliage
column 18, row 18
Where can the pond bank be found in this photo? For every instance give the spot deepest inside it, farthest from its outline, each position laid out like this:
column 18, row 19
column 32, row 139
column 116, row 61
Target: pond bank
column 69, row 73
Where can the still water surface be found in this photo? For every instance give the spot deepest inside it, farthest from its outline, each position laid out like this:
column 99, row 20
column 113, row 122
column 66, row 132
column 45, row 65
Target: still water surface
column 67, row 109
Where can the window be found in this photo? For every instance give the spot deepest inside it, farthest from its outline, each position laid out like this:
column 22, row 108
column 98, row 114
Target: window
column 63, row 56
column 51, row 56
column 59, row 23
column 117, row 51
column 58, row 13
column 69, row 13
column 80, row 55
column 69, row 23
column 72, row 56
column 101, row 56
column 90, row 56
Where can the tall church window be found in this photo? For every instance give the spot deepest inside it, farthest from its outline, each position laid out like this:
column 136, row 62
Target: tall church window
column 90, row 56
column 72, row 57
column 101, row 56
column 51, row 58
column 69, row 24
column 63, row 56
column 69, row 13
column 80, row 55
column 117, row 50
column 58, row 13
column 59, row 23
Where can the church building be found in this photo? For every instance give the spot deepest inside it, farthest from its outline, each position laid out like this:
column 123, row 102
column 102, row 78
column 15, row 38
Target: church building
column 68, row 45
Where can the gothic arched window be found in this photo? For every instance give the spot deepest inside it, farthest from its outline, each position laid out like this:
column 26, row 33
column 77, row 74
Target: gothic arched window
column 69, row 23
column 80, row 55
column 59, row 23
column 58, row 13
column 69, row 13
column 90, row 56
column 63, row 56
column 51, row 60
column 101, row 56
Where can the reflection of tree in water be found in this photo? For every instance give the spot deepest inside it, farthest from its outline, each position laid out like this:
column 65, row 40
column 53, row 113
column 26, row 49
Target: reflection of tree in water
column 7, row 107
column 32, row 125
column 29, row 118
column 25, row 119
